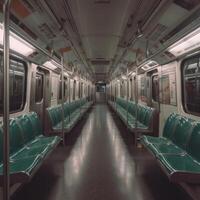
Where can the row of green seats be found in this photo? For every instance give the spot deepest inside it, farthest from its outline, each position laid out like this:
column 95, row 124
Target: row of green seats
column 178, row 149
column 72, row 112
column 28, row 147
column 128, row 111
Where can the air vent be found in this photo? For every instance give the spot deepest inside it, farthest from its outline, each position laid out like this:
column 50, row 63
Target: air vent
column 102, row 1
column 100, row 62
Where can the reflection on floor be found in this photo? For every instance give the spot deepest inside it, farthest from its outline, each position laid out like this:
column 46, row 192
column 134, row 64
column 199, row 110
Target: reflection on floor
column 100, row 162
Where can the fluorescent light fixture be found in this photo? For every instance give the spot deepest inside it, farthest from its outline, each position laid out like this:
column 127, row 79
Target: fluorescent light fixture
column 50, row 64
column 186, row 44
column 17, row 44
column 149, row 64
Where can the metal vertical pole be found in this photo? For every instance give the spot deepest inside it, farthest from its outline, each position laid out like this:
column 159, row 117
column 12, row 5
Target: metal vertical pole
column 136, row 102
column 6, row 143
column 62, row 87
column 127, row 96
column 69, row 100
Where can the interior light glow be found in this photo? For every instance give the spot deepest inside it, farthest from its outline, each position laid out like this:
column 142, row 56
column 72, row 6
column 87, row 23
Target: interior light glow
column 124, row 77
column 186, row 44
column 149, row 64
column 17, row 44
column 50, row 64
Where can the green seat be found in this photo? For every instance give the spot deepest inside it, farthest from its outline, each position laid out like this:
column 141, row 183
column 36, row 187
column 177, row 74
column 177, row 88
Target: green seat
column 72, row 113
column 27, row 152
column 40, row 139
column 127, row 111
column 21, row 169
column 179, row 138
column 168, row 130
column 178, row 151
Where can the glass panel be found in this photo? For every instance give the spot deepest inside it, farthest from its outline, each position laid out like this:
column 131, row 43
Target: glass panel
column 39, row 87
column 191, row 85
column 17, row 85
column 155, row 88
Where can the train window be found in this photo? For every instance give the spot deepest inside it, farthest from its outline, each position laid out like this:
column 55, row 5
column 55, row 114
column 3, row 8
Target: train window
column 39, row 87
column 60, row 89
column 74, row 90
column 155, row 88
column 122, row 89
column 17, row 85
column 191, row 85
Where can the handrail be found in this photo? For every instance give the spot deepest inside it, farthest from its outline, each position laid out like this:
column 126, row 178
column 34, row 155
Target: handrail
column 6, row 142
column 62, row 104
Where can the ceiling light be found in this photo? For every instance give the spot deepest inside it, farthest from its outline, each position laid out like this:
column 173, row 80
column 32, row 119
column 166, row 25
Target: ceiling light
column 124, row 77
column 50, row 64
column 149, row 65
column 17, row 44
column 188, row 43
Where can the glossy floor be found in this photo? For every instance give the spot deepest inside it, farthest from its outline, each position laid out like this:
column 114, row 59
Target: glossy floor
column 100, row 162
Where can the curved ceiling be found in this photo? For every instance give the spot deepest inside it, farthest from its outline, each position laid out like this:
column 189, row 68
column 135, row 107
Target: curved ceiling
column 98, row 35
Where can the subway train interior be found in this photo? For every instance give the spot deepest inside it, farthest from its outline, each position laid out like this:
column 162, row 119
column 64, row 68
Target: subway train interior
column 100, row 99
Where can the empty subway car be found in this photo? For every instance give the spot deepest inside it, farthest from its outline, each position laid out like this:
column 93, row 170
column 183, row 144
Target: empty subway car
column 100, row 99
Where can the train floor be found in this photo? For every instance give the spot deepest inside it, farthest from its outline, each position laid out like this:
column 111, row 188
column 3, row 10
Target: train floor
column 100, row 162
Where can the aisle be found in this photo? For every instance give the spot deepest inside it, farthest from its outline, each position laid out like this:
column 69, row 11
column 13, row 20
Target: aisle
column 100, row 165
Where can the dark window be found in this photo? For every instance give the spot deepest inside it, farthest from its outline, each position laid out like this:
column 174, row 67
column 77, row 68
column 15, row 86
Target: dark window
column 191, row 85
column 100, row 87
column 60, row 89
column 155, row 88
column 39, row 85
column 17, row 84
column 74, row 90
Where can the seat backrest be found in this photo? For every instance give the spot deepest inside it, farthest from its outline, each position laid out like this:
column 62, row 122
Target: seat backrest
column 27, row 128
column 148, row 116
column 52, row 116
column 182, row 131
column 66, row 110
column 193, row 147
column 58, row 113
column 131, row 108
column 16, row 136
column 141, row 113
column 36, row 123
column 170, row 125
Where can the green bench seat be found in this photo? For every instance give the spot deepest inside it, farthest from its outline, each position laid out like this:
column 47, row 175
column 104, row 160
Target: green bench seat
column 127, row 111
column 72, row 113
column 177, row 151
column 28, row 147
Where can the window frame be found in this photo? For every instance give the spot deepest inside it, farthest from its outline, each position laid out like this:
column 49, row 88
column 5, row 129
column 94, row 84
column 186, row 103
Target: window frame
column 24, row 98
column 183, row 90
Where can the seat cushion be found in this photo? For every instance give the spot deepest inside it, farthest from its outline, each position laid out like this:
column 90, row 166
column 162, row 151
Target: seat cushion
column 179, row 163
column 147, row 140
column 23, row 165
column 165, row 148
